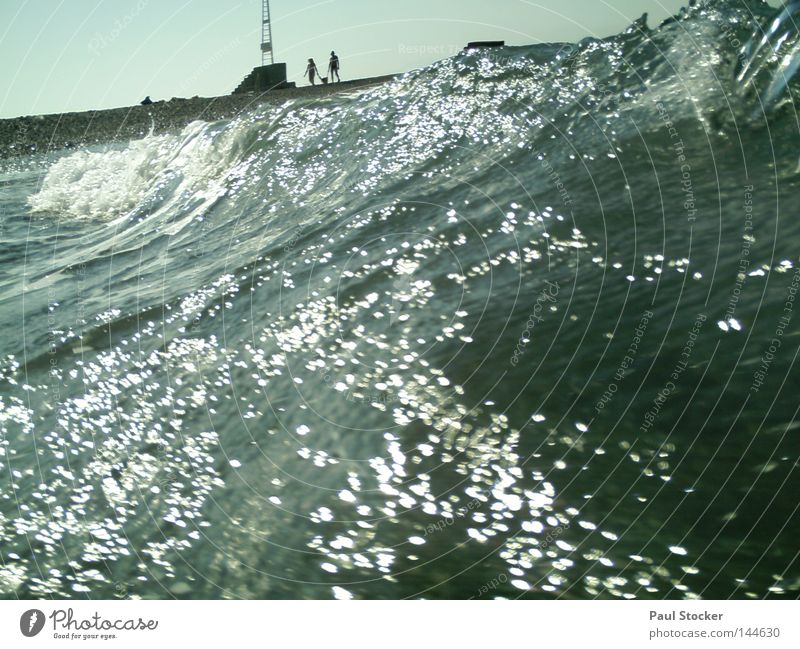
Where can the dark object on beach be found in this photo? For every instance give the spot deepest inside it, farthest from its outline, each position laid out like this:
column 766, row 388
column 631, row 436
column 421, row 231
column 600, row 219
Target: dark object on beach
column 477, row 44
column 324, row 80
column 333, row 67
column 147, row 101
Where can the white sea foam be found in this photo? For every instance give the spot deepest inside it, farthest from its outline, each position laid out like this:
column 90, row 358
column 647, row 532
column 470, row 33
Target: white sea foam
column 100, row 185
column 150, row 173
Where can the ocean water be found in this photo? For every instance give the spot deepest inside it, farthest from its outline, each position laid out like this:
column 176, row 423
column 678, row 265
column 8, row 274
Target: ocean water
column 519, row 324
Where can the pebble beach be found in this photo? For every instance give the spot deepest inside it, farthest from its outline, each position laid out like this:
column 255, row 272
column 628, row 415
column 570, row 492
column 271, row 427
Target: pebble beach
column 42, row 133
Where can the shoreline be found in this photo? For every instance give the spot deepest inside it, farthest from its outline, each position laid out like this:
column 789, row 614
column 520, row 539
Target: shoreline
column 28, row 135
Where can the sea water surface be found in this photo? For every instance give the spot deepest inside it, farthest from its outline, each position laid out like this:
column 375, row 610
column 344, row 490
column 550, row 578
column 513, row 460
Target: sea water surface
column 519, row 324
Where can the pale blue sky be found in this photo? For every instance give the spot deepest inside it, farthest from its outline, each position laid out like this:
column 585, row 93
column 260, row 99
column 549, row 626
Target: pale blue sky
column 66, row 55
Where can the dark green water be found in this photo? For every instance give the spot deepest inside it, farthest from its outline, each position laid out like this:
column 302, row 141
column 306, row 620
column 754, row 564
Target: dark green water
column 500, row 328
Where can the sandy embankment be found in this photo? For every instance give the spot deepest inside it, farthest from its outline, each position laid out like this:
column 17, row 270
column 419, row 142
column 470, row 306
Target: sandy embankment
column 40, row 133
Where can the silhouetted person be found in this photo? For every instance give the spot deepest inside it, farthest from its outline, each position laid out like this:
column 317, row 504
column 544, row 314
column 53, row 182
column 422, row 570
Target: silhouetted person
column 311, row 71
column 147, row 101
column 333, row 67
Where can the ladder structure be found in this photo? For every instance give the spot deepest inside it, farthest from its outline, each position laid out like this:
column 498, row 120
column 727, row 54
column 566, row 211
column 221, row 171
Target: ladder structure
column 269, row 75
column 267, row 57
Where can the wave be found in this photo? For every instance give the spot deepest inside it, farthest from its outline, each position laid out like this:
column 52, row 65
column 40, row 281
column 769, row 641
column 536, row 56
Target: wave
column 472, row 100
column 440, row 330
column 770, row 59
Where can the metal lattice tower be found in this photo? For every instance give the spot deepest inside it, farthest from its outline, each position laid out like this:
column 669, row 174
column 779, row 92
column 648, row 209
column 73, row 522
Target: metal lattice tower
column 266, row 36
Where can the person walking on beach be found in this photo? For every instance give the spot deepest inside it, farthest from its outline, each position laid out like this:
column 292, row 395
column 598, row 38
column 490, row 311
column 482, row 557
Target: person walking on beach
column 333, row 67
column 311, row 71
